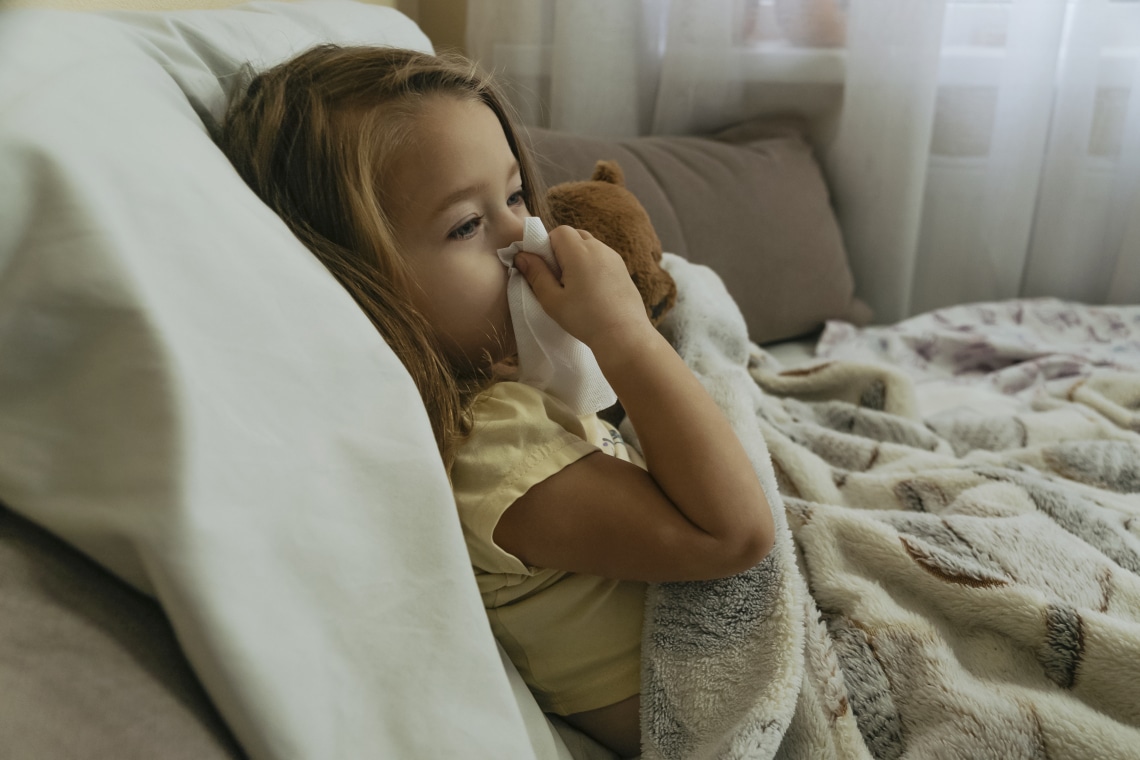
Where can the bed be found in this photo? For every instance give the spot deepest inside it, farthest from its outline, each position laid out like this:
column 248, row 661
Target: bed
column 224, row 533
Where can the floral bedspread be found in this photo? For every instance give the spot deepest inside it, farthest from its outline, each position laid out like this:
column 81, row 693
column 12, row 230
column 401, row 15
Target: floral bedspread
column 1018, row 348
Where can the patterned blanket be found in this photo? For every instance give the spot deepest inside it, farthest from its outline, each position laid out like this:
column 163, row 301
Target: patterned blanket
column 951, row 580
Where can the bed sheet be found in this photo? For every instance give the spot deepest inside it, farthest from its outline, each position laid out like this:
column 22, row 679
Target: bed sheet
column 793, row 353
column 994, row 357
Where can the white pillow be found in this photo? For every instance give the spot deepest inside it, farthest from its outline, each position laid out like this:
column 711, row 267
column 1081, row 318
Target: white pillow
column 187, row 396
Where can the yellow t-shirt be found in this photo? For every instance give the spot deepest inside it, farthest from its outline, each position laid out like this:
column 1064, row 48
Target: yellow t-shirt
column 575, row 638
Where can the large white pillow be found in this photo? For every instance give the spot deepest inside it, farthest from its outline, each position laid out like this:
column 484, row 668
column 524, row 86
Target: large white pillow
column 189, row 398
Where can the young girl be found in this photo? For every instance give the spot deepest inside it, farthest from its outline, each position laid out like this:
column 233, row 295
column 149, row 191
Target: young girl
column 404, row 173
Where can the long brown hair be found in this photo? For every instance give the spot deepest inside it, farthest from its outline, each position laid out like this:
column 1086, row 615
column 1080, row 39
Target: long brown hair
column 313, row 137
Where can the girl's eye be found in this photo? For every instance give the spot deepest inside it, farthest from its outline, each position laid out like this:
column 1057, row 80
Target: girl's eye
column 516, row 198
column 467, row 230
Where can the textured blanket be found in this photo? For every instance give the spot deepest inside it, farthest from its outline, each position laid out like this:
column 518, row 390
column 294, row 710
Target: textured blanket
column 960, row 585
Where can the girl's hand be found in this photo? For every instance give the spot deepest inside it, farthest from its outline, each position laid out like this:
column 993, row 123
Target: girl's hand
column 699, row 511
column 596, row 300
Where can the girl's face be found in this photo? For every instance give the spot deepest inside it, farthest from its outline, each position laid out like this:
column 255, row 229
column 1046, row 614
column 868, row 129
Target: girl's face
column 456, row 196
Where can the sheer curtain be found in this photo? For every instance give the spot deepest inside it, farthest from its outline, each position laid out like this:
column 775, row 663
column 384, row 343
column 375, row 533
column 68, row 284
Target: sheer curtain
column 976, row 150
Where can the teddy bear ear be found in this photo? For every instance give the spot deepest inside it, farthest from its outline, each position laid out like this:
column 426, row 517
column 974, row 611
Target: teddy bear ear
column 608, row 171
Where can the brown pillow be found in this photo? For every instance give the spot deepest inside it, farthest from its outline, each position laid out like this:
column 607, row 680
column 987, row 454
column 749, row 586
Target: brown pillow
column 750, row 202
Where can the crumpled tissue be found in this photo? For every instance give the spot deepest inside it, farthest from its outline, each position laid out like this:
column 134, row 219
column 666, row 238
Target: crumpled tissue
column 550, row 358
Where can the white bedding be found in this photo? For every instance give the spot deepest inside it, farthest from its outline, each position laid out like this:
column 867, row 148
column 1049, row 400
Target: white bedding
column 189, row 398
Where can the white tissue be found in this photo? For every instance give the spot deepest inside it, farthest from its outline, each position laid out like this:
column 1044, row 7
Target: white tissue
column 550, row 358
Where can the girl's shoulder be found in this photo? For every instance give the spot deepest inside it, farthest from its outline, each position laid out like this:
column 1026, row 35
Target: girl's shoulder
column 512, row 403
column 519, row 434
column 511, row 393
column 512, row 389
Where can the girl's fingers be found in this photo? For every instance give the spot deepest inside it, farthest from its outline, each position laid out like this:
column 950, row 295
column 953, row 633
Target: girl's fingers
column 570, row 243
column 536, row 271
column 564, row 234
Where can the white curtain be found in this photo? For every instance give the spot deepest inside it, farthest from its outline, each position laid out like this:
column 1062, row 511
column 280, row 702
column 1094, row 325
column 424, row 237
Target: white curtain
column 975, row 150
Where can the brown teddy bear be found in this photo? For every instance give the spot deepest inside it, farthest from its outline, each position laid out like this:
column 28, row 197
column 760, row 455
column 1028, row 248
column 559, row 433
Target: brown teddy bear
column 604, row 207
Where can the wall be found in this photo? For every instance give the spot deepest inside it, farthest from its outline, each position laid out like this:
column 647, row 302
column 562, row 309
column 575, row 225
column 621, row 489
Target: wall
column 443, row 21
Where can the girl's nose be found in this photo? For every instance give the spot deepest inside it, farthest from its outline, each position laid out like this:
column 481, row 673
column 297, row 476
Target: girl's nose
column 511, row 229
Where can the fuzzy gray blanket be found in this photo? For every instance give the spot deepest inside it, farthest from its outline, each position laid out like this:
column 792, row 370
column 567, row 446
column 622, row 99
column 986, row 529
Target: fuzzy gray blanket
column 966, row 586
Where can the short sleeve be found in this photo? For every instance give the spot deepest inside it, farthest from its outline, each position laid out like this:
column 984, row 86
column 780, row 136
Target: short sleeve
column 521, row 436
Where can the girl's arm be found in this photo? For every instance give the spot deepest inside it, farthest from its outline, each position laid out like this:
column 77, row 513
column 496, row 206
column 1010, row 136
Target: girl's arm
column 699, row 511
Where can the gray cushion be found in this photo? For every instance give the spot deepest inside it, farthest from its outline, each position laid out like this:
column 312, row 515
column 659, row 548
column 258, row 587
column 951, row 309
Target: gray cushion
column 90, row 666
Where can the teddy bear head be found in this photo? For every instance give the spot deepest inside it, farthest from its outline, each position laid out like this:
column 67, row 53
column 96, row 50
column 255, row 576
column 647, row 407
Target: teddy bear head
column 604, row 207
